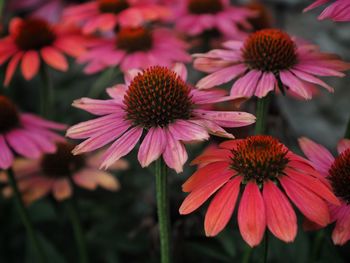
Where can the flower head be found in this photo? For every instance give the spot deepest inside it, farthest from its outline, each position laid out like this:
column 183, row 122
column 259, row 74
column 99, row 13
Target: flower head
column 336, row 170
column 32, row 40
column 135, row 47
column 24, row 134
column 338, row 10
column 269, row 60
column 268, row 173
column 55, row 172
column 105, row 15
column 158, row 103
column 195, row 17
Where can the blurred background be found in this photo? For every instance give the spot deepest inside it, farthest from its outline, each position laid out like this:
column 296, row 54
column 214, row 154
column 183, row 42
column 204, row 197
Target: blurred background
column 122, row 226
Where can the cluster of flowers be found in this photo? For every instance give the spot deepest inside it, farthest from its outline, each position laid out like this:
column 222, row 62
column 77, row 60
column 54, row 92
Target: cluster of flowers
column 158, row 108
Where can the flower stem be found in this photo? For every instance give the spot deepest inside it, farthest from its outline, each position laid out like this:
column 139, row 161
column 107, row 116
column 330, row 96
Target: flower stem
column 163, row 210
column 266, row 246
column 317, row 246
column 247, row 254
column 47, row 93
column 78, row 230
column 262, row 109
column 347, row 133
column 25, row 216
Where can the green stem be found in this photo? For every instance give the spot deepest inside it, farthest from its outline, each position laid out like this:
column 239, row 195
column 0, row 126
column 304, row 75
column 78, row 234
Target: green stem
column 163, row 210
column 317, row 246
column 262, row 109
column 247, row 254
column 347, row 133
column 25, row 216
column 78, row 230
column 47, row 93
column 266, row 246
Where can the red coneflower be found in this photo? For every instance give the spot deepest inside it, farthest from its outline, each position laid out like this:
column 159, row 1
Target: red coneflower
column 32, row 40
column 267, row 172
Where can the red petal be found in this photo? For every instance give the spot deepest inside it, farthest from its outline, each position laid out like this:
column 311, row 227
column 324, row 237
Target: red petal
column 221, row 207
column 30, row 64
column 11, row 67
column 312, row 206
column 196, row 198
column 212, row 155
column 280, row 216
column 54, row 58
column 251, row 215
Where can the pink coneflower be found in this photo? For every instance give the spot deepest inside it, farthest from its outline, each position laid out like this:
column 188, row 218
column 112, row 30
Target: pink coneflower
column 105, row 15
column 268, row 174
column 339, row 10
column 55, row 172
column 24, row 134
column 158, row 103
column 195, row 17
column 337, row 172
column 136, row 47
column 267, row 60
column 32, row 40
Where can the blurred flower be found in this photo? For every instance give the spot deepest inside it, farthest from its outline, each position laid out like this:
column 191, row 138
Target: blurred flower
column 57, row 171
column 159, row 103
column 339, row 10
column 194, row 17
column 33, row 39
column 105, row 15
column 24, row 134
column 337, row 172
column 262, row 167
column 263, row 18
column 135, row 47
column 268, row 59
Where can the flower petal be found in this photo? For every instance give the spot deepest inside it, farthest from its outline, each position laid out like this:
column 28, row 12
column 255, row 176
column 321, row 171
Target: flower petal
column 62, row 189
column 54, row 58
column 30, row 64
column 6, row 156
column 175, row 154
column 152, row 146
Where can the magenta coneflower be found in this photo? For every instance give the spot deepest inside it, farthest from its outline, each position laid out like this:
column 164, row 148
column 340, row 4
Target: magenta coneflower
column 55, row 172
column 270, row 176
column 267, row 60
column 158, row 103
column 136, row 47
column 105, row 15
column 24, row 134
column 337, row 172
column 194, row 17
column 339, row 10
column 32, row 40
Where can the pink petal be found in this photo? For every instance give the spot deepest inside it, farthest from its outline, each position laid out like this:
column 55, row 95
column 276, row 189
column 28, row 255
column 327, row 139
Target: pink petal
column 23, row 144
column 266, row 84
column 246, row 85
column 317, row 154
column 175, row 154
column 312, row 206
column 180, row 70
column 188, row 131
column 62, row 189
column 200, row 194
column 97, row 107
column 54, row 58
column 6, row 156
column 294, row 84
column 343, row 145
column 30, row 64
column 251, row 215
column 280, row 216
column 35, row 121
column 309, row 78
column 121, row 147
column 152, row 146
column 221, row 207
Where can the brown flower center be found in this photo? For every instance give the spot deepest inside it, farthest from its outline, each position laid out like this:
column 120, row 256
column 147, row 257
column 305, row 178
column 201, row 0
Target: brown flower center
column 157, row 97
column 205, row 6
column 134, row 39
column 339, row 176
column 9, row 116
column 259, row 158
column 62, row 163
column 263, row 19
column 34, row 33
column 269, row 50
column 112, row 6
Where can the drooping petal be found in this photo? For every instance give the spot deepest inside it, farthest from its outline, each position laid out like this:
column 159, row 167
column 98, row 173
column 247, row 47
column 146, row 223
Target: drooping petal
column 221, row 207
column 152, row 146
column 30, row 64
column 251, row 215
column 11, row 67
column 6, row 156
column 54, row 58
column 280, row 216
column 227, row 119
column 62, row 189
column 175, row 154
column 188, row 131
column 341, row 232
